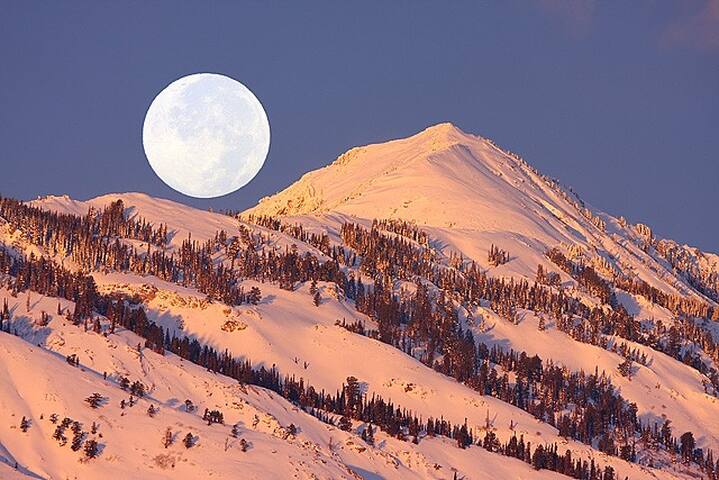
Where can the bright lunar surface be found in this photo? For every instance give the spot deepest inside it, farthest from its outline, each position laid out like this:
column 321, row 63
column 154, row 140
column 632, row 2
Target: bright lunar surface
column 206, row 135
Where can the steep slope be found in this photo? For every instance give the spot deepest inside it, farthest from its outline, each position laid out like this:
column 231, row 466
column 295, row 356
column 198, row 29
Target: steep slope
column 326, row 354
column 39, row 382
column 469, row 194
column 440, row 177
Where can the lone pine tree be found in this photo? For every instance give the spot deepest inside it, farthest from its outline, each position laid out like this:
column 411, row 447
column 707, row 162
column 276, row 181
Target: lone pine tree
column 167, row 438
column 188, row 441
column 24, row 424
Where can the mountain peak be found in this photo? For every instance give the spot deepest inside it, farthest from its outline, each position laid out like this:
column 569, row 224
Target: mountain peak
column 444, row 130
column 443, row 127
column 440, row 176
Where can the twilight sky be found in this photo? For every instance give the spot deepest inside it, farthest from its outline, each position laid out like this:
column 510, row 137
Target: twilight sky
column 619, row 100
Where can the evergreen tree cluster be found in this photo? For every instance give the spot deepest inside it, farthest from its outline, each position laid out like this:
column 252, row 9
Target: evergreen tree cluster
column 93, row 242
column 586, row 276
column 684, row 341
column 704, row 280
column 496, row 256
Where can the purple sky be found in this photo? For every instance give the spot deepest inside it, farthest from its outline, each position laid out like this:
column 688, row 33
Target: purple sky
column 618, row 99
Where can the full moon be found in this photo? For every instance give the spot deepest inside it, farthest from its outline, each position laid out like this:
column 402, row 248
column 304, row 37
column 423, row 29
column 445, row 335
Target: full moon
column 206, row 135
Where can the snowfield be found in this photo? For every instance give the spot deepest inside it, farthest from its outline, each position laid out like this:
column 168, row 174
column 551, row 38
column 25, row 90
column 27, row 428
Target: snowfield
column 468, row 195
column 39, row 382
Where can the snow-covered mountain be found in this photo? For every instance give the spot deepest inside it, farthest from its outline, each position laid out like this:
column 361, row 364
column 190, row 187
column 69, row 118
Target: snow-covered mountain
column 637, row 311
column 469, row 193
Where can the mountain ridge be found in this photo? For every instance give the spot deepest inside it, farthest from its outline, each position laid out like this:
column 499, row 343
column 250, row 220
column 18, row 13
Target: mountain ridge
column 603, row 288
column 447, row 180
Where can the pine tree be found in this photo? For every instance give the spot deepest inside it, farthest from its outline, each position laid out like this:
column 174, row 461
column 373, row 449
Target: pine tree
column 353, row 396
column 59, row 435
column 151, row 410
column 95, row 400
column 91, row 449
column 188, row 441
column 369, row 434
column 24, row 424
column 666, row 433
column 540, row 274
column 138, row 389
column 77, row 440
column 608, row 473
column 167, row 438
column 73, row 360
column 687, row 446
column 625, row 368
column 255, row 296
